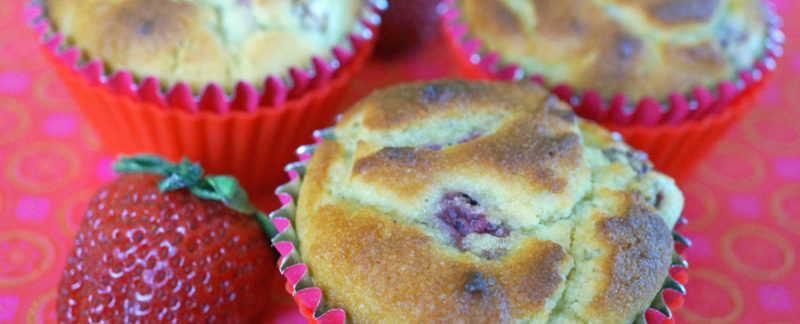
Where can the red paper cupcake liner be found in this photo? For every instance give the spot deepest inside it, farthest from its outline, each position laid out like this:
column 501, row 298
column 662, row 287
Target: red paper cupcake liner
column 247, row 136
column 677, row 149
column 276, row 90
column 311, row 302
column 476, row 63
column 676, row 134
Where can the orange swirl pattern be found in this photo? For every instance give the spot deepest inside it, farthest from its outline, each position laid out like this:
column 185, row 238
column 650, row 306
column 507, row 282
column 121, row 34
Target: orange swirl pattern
column 14, row 120
column 743, row 201
column 758, row 243
column 772, row 134
column 49, row 94
column 42, row 309
column 733, row 166
column 24, row 256
column 785, row 214
column 728, row 296
column 43, row 166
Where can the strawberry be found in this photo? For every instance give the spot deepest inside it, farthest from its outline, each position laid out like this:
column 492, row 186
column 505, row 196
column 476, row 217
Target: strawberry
column 163, row 244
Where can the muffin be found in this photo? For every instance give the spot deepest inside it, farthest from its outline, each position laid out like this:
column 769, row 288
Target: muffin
column 203, row 41
column 662, row 73
column 639, row 48
column 225, row 83
column 459, row 201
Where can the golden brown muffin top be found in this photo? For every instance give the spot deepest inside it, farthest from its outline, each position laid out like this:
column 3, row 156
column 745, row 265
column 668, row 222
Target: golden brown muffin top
column 636, row 47
column 457, row 201
column 202, row 41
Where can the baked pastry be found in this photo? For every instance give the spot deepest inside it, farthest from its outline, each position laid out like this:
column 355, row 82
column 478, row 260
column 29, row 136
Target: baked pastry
column 457, row 201
column 636, row 47
column 204, row 41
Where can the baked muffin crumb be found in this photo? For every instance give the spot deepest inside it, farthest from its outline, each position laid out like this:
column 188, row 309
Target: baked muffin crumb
column 203, row 41
column 640, row 48
column 539, row 217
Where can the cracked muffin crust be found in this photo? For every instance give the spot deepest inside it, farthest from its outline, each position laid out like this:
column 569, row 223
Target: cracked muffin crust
column 456, row 201
column 202, row 41
column 636, row 47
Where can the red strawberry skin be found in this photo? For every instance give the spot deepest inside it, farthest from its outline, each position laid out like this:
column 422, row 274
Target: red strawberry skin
column 141, row 256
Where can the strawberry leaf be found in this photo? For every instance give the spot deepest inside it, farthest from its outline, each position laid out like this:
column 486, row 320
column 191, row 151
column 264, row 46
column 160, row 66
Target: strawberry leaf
column 181, row 175
column 227, row 190
column 141, row 164
column 186, row 174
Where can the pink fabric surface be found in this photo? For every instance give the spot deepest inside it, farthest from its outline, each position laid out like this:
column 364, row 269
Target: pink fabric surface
column 743, row 201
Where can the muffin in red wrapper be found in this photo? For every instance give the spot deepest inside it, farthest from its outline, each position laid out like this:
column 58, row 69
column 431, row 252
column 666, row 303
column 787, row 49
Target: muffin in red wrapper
column 452, row 201
column 228, row 84
column 651, row 70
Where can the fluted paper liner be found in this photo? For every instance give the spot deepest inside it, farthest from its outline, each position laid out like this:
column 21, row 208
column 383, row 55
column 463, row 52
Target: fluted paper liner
column 247, row 136
column 676, row 133
column 275, row 91
column 311, row 300
column 677, row 149
column 477, row 63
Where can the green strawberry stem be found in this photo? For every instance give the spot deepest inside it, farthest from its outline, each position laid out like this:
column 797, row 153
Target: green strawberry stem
column 186, row 174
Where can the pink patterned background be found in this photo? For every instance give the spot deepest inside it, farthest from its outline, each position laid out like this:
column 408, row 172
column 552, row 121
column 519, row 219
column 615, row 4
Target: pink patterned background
column 743, row 201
